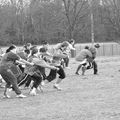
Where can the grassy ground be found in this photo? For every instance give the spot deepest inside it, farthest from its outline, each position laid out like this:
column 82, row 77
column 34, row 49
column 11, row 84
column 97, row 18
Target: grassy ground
column 89, row 97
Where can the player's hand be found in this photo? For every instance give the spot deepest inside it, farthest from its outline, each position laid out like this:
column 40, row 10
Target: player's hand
column 57, row 68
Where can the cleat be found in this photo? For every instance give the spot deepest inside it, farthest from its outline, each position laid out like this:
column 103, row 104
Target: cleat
column 57, row 87
column 6, row 96
column 42, row 83
column 77, row 73
column 21, row 96
column 33, row 92
column 40, row 88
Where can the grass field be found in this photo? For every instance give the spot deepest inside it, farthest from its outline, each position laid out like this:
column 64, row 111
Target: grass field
column 89, row 97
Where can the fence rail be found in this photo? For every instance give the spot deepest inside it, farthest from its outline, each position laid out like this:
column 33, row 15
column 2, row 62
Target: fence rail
column 106, row 49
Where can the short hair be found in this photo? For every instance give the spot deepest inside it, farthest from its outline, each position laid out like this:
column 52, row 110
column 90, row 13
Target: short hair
column 27, row 51
column 33, row 47
column 28, row 44
column 97, row 45
column 71, row 41
column 34, row 51
column 10, row 48
column 44, row 42
column 65, row 44
column 42, row 50
column 86, row 47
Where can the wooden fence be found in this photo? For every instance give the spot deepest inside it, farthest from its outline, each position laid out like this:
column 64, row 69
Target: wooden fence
column 106, row 49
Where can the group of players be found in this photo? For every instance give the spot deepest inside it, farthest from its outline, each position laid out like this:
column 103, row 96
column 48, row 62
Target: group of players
column 27, row 66
column 86, row 57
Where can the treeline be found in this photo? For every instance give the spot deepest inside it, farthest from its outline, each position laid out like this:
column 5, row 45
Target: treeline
column 33, row 21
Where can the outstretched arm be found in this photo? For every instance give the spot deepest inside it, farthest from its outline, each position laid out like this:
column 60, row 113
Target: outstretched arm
column 22, row 61
column 42, row 63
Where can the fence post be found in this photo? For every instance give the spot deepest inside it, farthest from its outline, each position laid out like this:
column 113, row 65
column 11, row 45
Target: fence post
column 103, row 50
column 112, row 49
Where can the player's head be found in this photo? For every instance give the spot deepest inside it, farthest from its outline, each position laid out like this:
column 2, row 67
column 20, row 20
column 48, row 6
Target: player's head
column 97, row 45
column 86, row 47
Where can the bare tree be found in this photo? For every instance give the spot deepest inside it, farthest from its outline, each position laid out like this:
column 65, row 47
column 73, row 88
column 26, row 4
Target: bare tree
column 74, row 10
column 112, row 8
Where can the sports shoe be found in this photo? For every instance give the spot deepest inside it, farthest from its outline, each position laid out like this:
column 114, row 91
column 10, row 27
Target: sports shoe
column 10, row 89
column 6, row 96
column 40, row 88
column 33, row 92
column 21, row 96
column 95, row 73
column 42, row 83
column 77, row 73
column 57, row 87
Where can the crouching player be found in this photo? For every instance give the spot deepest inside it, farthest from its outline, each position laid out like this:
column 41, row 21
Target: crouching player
column 10, row 72
column 56, row 61
column 34, row 72
column 93, row 50
column 84, row 57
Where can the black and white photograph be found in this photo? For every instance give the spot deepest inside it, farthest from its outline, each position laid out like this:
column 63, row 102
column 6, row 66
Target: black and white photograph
column 59, row 59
